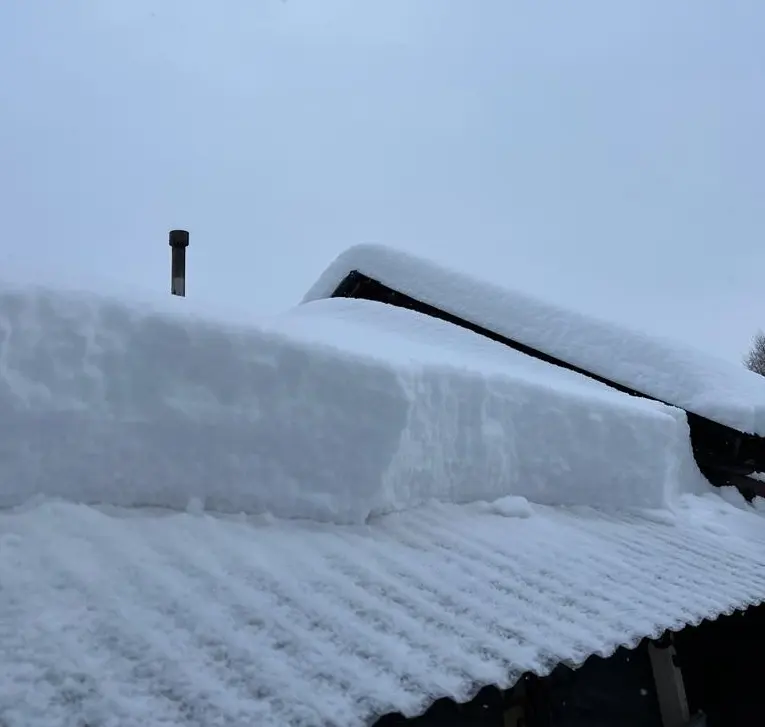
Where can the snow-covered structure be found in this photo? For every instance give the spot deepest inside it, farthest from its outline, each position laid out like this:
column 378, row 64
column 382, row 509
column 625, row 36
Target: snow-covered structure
column 135, row 617
column 336, row 411
column 725, row 403
column 355, row 511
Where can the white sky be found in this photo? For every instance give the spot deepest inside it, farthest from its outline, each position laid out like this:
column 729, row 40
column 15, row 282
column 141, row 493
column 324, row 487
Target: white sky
column 606, row 155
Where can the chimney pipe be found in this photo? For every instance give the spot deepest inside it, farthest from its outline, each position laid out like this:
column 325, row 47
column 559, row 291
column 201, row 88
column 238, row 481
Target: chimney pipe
column 179, row 241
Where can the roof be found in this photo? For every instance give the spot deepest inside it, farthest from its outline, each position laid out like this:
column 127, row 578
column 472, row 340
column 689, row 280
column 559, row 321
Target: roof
column 667, row 370
column 138, row 617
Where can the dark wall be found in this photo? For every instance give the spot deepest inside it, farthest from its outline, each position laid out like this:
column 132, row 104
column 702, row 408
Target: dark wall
column 486, row 710
column 722, row 669
column 615, row 692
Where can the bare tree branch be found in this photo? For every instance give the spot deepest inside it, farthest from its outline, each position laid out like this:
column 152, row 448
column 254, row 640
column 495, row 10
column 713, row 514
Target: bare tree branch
column 755, row 359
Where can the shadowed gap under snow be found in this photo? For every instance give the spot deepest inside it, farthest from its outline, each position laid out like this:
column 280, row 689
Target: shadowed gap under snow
column 334, row 411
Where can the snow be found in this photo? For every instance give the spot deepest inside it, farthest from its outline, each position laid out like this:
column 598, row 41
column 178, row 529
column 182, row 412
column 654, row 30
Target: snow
column 129, row 617
column 338, row 411
column 512, row 506
column 347, row 510
column 664, row 369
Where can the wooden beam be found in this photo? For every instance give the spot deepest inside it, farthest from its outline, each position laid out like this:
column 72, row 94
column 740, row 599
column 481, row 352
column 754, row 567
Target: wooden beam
column 670, row 688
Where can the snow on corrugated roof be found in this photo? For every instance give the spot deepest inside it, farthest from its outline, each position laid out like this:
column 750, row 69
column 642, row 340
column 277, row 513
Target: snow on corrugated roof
column 667, row 370
column 135, row 618
column 335, row 411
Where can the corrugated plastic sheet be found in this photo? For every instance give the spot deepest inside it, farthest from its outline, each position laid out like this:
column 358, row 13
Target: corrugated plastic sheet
column 112, row 617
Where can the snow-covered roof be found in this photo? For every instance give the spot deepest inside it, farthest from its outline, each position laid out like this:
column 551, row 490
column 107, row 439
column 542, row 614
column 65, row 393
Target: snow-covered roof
column 335, row 411
column 131, row 618
column 664, row 369
column 341, row 411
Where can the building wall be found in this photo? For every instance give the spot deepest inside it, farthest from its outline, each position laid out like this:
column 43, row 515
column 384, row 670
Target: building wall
column 722, row 668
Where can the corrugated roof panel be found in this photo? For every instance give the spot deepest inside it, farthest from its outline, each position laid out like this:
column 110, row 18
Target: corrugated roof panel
column 133, row 618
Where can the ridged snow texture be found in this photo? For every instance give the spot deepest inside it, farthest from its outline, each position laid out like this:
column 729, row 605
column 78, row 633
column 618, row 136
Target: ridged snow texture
column 132, row 619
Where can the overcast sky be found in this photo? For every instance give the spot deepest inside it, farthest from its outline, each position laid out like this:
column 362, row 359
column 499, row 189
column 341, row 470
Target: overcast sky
column 607, row 155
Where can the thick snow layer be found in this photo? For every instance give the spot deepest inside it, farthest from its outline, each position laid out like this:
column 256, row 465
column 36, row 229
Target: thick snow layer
column 337, row 411
column 112, row 617
column 538, row 431
column 664, row 369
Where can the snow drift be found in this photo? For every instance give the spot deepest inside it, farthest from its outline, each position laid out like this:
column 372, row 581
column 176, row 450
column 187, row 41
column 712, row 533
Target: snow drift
column 335, row 411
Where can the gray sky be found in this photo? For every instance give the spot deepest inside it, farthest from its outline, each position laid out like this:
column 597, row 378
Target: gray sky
column 606, row 155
